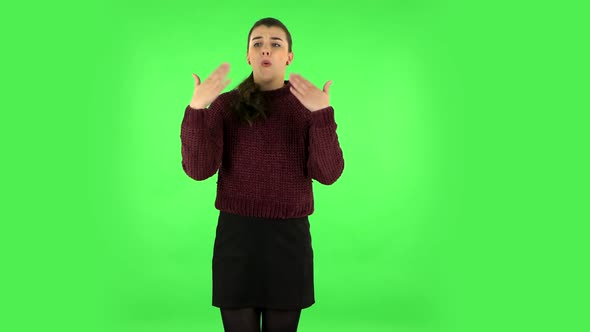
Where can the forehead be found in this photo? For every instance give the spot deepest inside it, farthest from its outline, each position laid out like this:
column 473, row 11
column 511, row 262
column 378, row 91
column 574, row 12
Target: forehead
column 267, row 32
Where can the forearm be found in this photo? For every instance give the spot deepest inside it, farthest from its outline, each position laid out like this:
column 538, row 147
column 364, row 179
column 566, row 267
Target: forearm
column 326, row 161
column 202, row 143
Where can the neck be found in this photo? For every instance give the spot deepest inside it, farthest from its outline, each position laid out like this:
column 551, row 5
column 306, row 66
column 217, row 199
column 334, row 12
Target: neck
column 276, row 83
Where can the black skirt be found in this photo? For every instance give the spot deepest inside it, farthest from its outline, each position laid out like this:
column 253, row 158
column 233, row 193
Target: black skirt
column 262, row 263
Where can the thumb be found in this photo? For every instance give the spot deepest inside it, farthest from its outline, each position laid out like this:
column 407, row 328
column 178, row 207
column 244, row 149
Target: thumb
column 197, row 79
column 327, row 87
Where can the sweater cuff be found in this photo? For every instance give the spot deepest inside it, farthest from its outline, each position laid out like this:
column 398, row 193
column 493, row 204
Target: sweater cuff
column 195, row 118
column 323, row 118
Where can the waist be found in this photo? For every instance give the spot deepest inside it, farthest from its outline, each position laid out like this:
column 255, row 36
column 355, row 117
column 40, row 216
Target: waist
column 238, row 217
column 264, row 209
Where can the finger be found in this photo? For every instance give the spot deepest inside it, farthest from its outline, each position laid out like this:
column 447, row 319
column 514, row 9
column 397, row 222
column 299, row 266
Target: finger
column 220, row 85
column 301, row 93
column 223, row 69
column 220, row 72
column 297, row 79
column 327, row 87
column 296, row 93
column 304, row 82
column 294, row 80
column 197, row 79
column 225, row 84
column 299, row 83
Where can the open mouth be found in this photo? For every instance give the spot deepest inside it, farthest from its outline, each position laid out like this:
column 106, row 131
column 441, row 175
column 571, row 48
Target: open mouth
column 266, row 63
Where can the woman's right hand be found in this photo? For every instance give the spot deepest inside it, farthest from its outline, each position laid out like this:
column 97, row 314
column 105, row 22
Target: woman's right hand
column 206, row 92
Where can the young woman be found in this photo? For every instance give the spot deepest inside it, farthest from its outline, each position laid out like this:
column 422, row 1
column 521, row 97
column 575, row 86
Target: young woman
column 269, row 138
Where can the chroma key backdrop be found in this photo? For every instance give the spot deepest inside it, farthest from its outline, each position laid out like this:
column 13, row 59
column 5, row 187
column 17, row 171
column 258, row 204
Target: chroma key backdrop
column 461, row 206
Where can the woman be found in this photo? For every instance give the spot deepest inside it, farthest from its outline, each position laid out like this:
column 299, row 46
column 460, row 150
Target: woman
column 268, row 138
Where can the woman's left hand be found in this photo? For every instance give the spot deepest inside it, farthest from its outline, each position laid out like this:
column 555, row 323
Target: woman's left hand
column 308, row 94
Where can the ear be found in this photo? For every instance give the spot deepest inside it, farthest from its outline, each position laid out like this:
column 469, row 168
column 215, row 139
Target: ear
column 290, row 57
column 248, row 57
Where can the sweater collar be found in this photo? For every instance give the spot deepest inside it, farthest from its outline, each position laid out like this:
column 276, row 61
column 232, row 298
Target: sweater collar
column 282, row 91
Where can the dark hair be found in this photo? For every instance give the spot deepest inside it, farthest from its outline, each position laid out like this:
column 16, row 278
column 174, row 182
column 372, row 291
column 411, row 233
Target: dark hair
column 251, row 104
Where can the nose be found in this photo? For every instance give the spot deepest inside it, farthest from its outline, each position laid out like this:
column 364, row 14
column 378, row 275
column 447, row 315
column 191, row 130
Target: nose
column 265, row 50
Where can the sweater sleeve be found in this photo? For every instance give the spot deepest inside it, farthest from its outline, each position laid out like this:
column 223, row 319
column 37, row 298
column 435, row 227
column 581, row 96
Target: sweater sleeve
column 201, row 136
column 325, row 162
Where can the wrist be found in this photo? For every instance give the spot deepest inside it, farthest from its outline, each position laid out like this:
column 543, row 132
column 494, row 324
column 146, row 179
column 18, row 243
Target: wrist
column 320, row 108
column 197, row 105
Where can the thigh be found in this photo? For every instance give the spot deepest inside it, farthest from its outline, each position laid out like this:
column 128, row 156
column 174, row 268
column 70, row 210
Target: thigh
column 274, row 320
column 241, row 320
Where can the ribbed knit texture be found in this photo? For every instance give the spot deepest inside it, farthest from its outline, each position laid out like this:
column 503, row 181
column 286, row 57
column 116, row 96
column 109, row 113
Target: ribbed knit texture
column 265, row 170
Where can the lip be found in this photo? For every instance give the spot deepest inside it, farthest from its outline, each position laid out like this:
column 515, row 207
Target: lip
column 265, row 63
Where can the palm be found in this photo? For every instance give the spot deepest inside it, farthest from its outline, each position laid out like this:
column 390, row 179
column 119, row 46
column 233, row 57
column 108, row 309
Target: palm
column 208, row 90
column 308, row 94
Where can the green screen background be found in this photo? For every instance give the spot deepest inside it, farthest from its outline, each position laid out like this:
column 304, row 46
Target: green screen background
column 462, row 205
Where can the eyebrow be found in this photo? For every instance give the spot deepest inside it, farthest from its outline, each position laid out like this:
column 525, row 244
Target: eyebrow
column 273, row 38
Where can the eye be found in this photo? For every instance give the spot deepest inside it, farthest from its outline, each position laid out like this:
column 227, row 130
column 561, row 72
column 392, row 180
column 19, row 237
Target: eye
column 255, row 44
column 277, row 44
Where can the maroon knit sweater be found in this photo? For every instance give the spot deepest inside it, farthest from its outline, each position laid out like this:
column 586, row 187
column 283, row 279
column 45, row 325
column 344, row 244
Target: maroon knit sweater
column 265, row 170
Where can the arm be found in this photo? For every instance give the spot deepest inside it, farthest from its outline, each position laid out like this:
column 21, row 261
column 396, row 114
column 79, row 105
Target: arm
column 202, row 140
column 325, row 162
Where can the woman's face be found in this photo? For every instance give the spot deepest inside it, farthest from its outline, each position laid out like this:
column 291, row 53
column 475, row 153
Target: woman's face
column 268, row 54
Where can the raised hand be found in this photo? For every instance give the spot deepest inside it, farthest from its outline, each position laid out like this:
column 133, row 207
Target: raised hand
column 206, row 92
column 308, row 94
